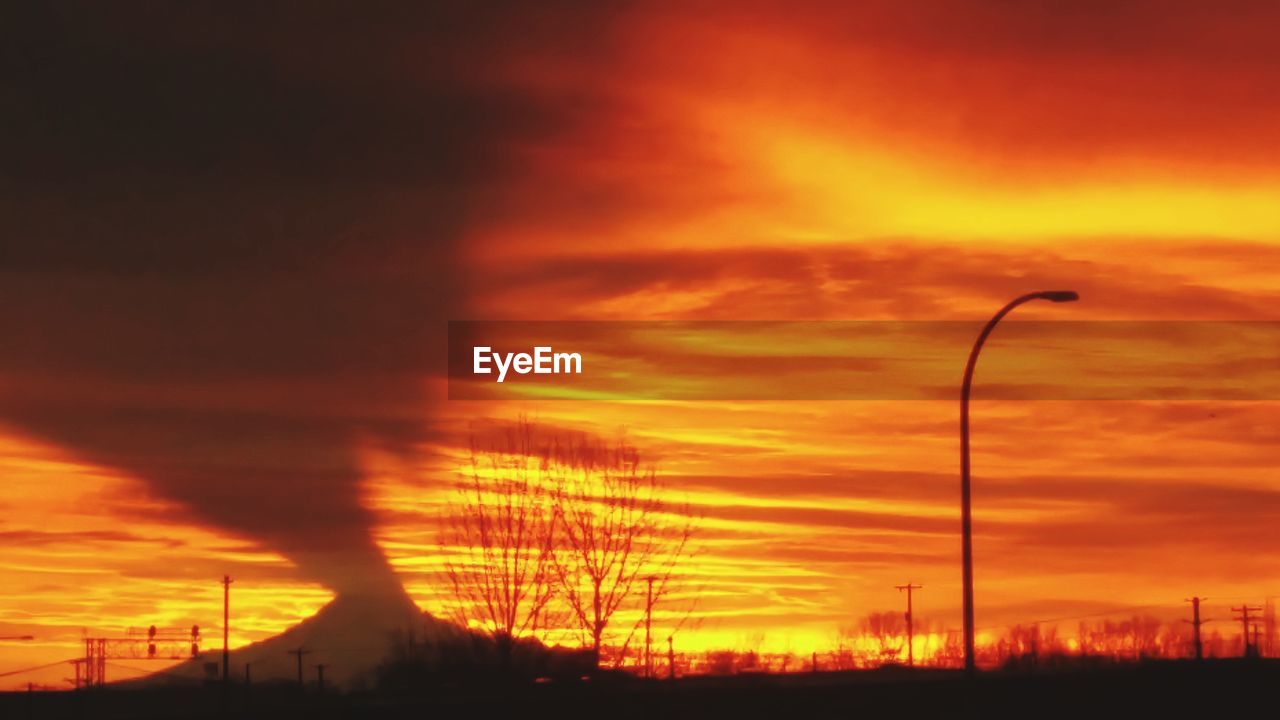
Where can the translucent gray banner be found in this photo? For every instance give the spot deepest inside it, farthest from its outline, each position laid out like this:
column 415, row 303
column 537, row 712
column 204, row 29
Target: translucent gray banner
column 863, row 360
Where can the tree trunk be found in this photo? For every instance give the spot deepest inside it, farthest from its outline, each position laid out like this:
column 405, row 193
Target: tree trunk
column 597, row 633
column 505, row 647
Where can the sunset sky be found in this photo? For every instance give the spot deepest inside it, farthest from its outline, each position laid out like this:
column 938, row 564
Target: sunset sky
column 231, row 248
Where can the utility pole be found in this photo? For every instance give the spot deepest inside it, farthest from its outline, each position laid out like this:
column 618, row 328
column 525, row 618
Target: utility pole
column 226, row 628
column 247, row 681
column 1244, row 611
column 1268, row 648
column 911, row 658
column 1196, row 622
column 320, row 676
column 671, row 658
column 298, row 654
column 648, row 629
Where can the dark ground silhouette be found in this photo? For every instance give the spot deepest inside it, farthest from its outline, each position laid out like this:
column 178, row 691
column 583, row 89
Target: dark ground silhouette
column 1212, row 688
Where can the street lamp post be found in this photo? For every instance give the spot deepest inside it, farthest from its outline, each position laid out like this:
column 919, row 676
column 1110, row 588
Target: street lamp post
column 966, row 519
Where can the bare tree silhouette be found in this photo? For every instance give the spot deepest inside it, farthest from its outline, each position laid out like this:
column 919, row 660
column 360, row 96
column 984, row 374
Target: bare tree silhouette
column 1136, row 638
column 500, row 537
column 888, row 631
column 616, row 533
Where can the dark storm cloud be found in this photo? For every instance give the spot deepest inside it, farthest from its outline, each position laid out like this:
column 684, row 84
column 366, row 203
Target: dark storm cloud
column 210, row 217
column 220, row 143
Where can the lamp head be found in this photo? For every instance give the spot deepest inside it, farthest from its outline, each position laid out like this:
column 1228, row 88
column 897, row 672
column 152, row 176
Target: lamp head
column 1060, row 296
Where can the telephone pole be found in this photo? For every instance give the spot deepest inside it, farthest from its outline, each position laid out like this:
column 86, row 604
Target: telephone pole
column 320, row 676
column 671, row 657
column 648, row 629
column 1268, row 648
column 911, row 658
column 298, row 654
column 226, row 628
column 1196, row 622
column 1244, row 611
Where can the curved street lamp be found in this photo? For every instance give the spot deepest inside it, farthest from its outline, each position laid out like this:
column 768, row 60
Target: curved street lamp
column 966, row 520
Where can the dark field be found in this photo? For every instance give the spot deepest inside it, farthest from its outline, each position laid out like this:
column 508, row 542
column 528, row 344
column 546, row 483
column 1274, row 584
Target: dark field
column 1176, row 688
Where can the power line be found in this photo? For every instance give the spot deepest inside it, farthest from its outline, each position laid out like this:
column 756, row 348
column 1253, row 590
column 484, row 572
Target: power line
column 172, row 671
column 37, row 667
column 1102, row 613
column 141, row 671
